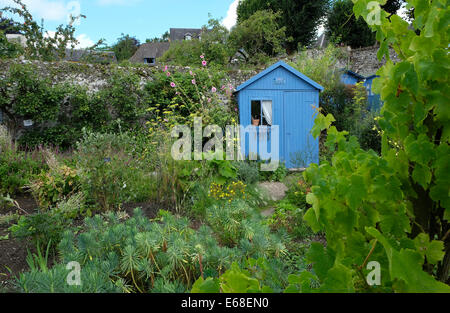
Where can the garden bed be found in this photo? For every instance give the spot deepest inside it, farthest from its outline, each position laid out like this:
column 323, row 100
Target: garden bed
column 13, row 251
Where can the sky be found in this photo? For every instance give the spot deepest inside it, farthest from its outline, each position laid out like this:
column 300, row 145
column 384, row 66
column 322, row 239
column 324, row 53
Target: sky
column 108, row 19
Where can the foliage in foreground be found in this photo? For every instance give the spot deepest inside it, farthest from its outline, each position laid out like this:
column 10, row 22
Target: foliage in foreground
column 393, row 208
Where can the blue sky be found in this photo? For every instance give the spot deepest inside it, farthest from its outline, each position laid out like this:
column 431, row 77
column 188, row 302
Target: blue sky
column 144, row 19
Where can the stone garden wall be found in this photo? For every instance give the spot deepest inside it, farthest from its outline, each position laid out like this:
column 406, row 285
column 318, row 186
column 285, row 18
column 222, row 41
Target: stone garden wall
column 362, row 61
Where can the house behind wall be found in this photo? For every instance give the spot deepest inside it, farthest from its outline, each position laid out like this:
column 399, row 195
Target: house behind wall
column 150, row 52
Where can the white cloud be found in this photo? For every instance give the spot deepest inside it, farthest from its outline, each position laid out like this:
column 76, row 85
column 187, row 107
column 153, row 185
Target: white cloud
column 84, row 41
column 230, row 20
column 49, row 10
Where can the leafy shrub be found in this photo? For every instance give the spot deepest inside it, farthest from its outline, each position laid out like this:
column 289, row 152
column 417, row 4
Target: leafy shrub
column 289, row 217
column 297, row 193
column 248, row 172
column 72, row 207
column 123, row 95
column 278, row 175
column 41, row 228
column 8, row 49
column 110, row 172
column 16, row 172
column 222, row 170
column 322, row 68
column 348, row 104
column 60, row 111
column 360, row 122
column 50, row 187
column 178, row 97
column 16, row 167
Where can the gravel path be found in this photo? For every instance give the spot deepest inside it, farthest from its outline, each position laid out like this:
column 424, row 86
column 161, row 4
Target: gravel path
column 275, row 191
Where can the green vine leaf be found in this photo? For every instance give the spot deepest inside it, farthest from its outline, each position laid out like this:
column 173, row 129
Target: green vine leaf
column 406, row 265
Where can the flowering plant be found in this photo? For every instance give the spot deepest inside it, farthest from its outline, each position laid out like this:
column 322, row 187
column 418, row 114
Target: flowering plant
column 189, row 95
column 229, row 192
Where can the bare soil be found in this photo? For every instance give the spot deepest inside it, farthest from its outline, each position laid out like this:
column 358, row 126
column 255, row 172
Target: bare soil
column 149, row 209
column 13, row 252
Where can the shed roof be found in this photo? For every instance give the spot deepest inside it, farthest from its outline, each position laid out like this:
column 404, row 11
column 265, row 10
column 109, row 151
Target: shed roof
column 274, row 67
column 150, row 50
column 180, row 33
column 372, row 76
column 353, row 74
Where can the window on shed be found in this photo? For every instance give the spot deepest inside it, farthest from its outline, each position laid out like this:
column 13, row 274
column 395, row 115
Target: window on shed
column 149, row 60
column 261, row 112
column 188, row 37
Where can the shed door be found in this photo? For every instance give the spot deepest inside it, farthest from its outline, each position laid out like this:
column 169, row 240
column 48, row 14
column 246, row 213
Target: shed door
column 265, row 106
column 300, row 147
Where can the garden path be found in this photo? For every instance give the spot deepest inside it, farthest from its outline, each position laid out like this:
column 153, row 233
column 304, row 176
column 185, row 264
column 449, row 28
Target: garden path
column 275, row 191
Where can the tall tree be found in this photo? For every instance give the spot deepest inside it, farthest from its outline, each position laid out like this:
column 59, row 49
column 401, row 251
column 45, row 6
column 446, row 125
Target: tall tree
column 259, row 35
column 125, row 47
column 300, row 17
column 343, row 27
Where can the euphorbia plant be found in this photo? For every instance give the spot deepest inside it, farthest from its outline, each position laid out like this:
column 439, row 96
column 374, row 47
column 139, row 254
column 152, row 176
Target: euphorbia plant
column 393, row 209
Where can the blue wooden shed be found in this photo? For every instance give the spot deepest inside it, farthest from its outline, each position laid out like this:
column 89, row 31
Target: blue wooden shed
column 280, row 96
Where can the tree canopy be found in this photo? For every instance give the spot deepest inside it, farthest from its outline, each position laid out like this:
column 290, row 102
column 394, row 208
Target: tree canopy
column 343, row 27
column 259, row 35
column 300, row 17
column 125, row 47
